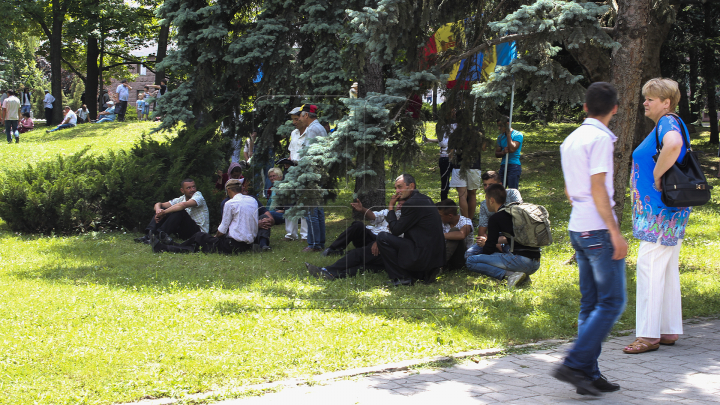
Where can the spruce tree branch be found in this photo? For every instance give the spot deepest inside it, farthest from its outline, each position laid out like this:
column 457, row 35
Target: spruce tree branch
column 501, row 40
column 83, row 78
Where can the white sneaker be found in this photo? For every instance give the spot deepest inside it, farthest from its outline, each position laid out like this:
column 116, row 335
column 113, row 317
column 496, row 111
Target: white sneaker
column 514, row 278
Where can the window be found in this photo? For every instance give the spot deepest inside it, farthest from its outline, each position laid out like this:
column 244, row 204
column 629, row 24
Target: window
column 143, row 70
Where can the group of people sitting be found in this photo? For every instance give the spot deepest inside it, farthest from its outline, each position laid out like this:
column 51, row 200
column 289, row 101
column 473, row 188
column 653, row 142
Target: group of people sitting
column 413, row 239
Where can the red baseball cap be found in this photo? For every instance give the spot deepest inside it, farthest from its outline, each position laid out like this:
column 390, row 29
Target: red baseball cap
column 311, row 108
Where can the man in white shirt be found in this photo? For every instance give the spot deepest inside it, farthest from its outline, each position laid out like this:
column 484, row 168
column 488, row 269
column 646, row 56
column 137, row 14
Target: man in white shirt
column 82, row 114
column 316, row 215
column 48, row 103
column 458, row 232
column 69, row 121
column 294, row 147
column 184, row 216
column 600, row 249
column 236, row 233
column 123, row 92
column 11, row 115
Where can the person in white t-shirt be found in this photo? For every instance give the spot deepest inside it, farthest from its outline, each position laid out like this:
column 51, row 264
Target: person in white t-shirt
column 458, row 232
column 48, row 103
column 587, row 163
column 83, row 114
column 69, row 121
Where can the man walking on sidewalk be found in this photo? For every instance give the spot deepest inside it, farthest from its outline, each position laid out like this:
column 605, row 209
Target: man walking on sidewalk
column 600, row 249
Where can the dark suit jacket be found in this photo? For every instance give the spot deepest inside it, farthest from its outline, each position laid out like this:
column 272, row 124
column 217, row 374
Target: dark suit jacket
column 422, row 226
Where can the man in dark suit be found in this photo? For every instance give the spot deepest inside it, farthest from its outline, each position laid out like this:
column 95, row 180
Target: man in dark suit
column 420, row 253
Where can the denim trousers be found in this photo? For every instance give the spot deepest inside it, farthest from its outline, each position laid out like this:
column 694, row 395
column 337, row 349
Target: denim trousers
column 513, row 175
column 602, row 285
column 11, row 128
column 316, row 228
column 496, row 264
column 62, row 126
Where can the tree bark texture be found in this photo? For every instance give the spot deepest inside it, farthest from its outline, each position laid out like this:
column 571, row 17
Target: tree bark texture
column 91, row 81
column 370, row 189
column 631, row 31
column 161, row 52
column 709, row 73
column 58, row 17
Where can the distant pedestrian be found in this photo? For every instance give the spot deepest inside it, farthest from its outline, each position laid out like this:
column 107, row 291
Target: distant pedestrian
column 123, row 92
column 660, row 228
column 11, row 115
column 600, row 249
column 26, row 101
column 48, row 102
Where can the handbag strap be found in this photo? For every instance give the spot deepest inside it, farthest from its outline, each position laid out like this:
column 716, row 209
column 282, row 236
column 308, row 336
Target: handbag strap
column 683, row 133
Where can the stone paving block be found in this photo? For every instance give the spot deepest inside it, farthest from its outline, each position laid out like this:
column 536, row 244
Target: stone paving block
column 406, row 391
column 417, row 378
column 468, row 379
column 503, row 397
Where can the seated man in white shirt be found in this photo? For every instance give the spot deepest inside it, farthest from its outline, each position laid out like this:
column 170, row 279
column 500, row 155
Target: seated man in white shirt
column 458, row 232
column 512, row 195
column 69, row 122
column 236, row 233
column 357, row 233
column 366, row 255
column 183, row 216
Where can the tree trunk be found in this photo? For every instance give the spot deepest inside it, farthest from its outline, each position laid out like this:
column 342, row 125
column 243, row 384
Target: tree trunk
column 102, row 66
column 56, row 60
column 370, row 189
column 434, row 101
column 709, row 74
column 694, row 74
column 161, row 52
column 631, row 31
column 91, row 83
column 684, row 105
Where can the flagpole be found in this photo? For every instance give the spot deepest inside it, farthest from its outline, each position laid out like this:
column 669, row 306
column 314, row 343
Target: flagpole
column 507, row 158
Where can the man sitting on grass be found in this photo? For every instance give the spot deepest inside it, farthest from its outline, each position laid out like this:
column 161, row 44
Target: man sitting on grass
column 357, row 233
column 496, row 260
column 184, row 216
column 236, row 233
column 69, row 122
column 107, row 115
column 458, row 234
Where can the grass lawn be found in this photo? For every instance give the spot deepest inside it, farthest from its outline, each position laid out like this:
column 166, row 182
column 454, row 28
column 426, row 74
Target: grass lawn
column 99, row 319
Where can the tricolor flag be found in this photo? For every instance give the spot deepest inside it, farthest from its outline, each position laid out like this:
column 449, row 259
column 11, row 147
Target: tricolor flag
column 483, row 64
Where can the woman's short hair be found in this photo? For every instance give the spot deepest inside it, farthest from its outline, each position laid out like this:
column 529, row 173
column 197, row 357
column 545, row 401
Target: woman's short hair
column 663, row 89
column 277, row 172
column 26, row 115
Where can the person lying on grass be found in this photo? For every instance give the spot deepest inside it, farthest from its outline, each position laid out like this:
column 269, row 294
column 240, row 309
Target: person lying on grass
column 237, row 231
column 458, row 232
column 496, row 260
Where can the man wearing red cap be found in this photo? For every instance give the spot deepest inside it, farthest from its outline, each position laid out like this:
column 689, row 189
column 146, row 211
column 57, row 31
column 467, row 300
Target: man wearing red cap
column 316, row 215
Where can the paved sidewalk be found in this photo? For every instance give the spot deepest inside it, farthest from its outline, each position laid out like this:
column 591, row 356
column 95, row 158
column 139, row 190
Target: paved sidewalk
column 687, row 373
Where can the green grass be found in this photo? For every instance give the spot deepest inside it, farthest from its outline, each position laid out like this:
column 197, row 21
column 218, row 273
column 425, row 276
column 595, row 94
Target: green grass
column 98, row 319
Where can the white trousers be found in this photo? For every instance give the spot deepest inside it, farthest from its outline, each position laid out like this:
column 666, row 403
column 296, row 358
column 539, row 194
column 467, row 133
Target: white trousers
column 659, row 308
column 291, row 227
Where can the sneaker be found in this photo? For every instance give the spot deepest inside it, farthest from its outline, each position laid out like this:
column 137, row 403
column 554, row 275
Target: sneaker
column 514, row 278
column 603, row 385
column 577, row 378
column 317, row 272
column 332, row 252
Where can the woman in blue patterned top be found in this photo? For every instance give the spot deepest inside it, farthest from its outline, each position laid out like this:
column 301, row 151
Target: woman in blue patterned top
column 660, row 228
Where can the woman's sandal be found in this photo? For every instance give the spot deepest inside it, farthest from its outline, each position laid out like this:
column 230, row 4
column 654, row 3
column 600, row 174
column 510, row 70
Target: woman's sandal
column 640, row 345
column 667, row 342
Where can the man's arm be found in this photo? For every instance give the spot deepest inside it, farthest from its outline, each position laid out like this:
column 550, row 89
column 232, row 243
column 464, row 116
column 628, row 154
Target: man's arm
column 357, row 206
column 492, row 235
column 568, row 195
column 602, row 204
column 410, row 216
column 512, row 145
column 177, row 207
column 460, row 234
column 499, row 152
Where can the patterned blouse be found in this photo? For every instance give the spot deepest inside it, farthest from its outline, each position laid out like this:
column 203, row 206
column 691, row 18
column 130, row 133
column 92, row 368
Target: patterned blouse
column 653, row 221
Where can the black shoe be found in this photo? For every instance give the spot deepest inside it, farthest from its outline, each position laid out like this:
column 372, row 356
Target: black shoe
column 400, row 281
column 603, row 385
column 332, row 252
column 145, row 239
column 157, row 247
column 578, row 379
column 165, row 239
column 17, row 140
column 432, row 275
column 317, row 272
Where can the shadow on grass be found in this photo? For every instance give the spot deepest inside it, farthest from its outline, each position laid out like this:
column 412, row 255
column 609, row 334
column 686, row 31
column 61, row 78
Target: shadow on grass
column 88, row 130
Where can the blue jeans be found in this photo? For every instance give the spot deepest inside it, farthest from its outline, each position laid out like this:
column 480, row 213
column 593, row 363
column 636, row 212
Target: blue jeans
column 62, row 126
column 25, row 109
column 496, row 264
column 279, row 217
column 10, row 129
column 104, row 120
column 602, row 285
column 513, row 176
column 316, row 228
column 474, row 250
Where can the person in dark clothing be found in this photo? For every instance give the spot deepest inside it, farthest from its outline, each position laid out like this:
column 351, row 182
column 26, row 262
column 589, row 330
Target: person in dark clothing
column 458, row 234
column 496, row 260
column 420, row 253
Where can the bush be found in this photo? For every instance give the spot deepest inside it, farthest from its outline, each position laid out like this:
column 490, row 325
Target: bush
column 84, row 192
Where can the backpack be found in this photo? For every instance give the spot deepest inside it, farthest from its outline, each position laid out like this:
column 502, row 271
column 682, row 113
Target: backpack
column 530, row 225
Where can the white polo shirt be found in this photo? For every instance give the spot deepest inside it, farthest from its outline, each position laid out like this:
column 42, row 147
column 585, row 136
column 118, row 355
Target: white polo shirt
column 586, row 152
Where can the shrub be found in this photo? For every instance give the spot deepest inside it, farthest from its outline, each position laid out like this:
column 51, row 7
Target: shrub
column 83, row 192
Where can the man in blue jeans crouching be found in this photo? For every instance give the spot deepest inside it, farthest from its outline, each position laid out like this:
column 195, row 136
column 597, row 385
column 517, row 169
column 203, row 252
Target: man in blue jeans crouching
column 600, row 249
